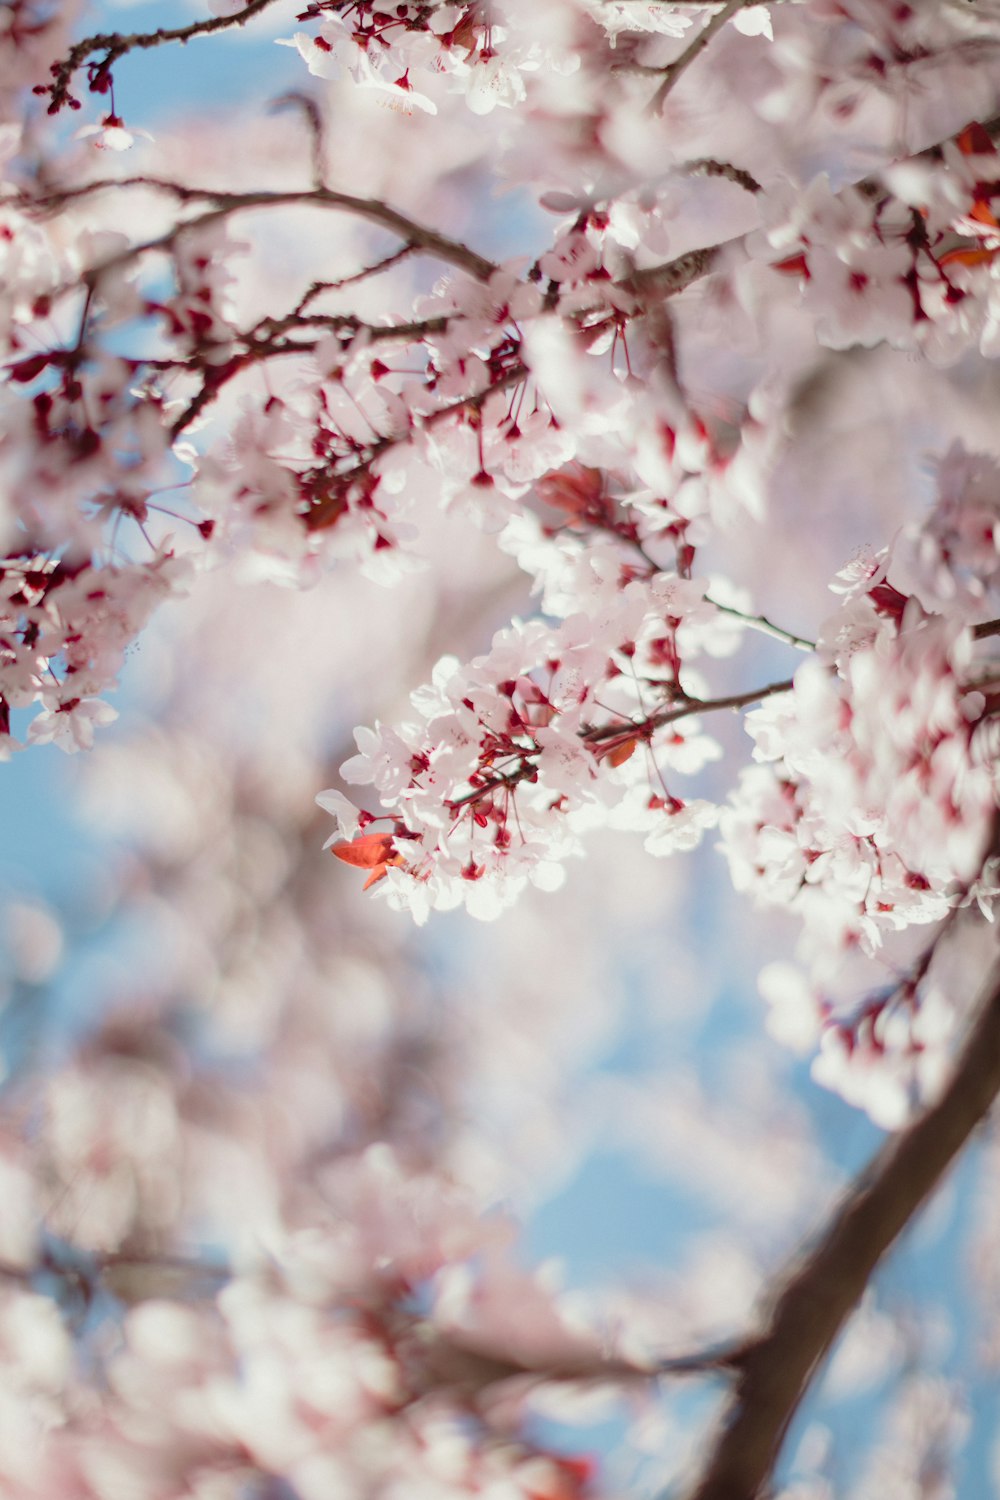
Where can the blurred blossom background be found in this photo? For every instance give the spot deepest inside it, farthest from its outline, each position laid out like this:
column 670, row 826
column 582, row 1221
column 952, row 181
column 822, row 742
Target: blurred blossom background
column 206, row 1025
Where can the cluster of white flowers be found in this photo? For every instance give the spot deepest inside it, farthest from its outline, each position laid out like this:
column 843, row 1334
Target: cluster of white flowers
column 408, row 55
column 912, row 264
column 65, row 631
column 308, row 1363
column 873, row 809
column 875, row 803
column 555, row 731
column 870, row 811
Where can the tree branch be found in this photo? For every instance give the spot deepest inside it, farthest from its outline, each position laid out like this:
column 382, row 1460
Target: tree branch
column 416, row 236
column 823, row 1289
column 114, row 45
column 386, row 263
column 451, row 1359
column 712, row 705
column 709, row 166
column 764, row 625
column 621, row 731
column 676, row 275
column 693, row 49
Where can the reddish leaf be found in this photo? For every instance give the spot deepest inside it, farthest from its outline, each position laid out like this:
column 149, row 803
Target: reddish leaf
column 795, row 265
column 576, row 489
column 983, row 214
column 974, row 140
column 619, row 754
column 971, row 257
column 369, row 851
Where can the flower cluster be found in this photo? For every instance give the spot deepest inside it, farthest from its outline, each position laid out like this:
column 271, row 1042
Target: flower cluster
column 64, row 631
column 553, row 732
column 874, row 806
column 910, row 263
column 304, row 1369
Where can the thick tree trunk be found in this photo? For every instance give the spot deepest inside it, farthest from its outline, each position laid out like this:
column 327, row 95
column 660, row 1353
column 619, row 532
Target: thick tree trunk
column 822, row 1289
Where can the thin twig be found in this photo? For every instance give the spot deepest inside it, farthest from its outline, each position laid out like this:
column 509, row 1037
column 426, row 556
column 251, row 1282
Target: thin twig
column 694, row 49
column 313, row 117
column 624, row 729
column 674, row 276
column 259, row 348
column 224, row 203
column 376, row 269
column 686, row 708
column 326, row 512
column 764, row 625
column 270, row 328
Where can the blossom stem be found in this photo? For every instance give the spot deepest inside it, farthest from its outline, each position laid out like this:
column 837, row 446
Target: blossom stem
column 623, row 731
column 766, row 626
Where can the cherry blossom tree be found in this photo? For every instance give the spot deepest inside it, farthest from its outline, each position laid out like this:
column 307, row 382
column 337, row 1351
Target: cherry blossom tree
column 595, row 400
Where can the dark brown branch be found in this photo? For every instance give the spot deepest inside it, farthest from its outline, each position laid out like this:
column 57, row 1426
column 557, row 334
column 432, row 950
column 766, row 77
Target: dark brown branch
column 708, row 166
column 676, row 275
column 114, row 45
column 416, row 236
column 685, row 708
column 825, row 1286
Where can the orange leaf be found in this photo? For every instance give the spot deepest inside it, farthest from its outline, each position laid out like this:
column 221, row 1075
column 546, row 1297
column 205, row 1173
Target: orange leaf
column 983, row 214
column 974, row 140
column 577, row 489
column 369, row 851
column 621, row 753
column 795, row 265
column 366, row 851
column 975, row 257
